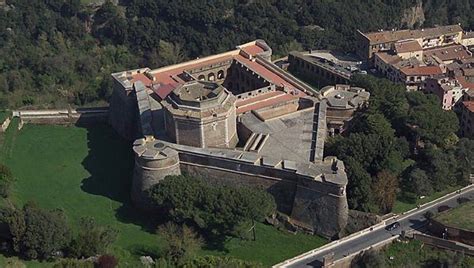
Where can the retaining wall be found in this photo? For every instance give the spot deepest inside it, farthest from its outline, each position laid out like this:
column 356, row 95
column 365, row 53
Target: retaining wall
column 64, row 116
column 444, row 244
column 453, row 233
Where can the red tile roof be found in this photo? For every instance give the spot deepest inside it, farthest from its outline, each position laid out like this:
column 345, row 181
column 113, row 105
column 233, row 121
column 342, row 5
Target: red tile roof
column 163, row 90
column 447, row 53
column 422, row 70
column 253, row 50
column 408, row 46
column 264, row 72
column 166, row 79
column 462, row 80
column 393, row 36
column 469, row 105
column 142, row 78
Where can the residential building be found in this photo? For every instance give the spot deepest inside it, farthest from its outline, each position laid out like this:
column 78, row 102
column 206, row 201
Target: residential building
column 467, row 119
column 449, row 91
column 373, row 42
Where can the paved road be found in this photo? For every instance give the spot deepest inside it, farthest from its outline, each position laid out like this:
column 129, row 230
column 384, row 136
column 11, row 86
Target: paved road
column 412, row 221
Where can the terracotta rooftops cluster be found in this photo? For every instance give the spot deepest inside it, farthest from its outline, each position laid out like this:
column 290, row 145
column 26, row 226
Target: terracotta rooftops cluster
column 252, row 57
column 407, row 46
column 164, row 80
column 446, row 53
column 393, row 36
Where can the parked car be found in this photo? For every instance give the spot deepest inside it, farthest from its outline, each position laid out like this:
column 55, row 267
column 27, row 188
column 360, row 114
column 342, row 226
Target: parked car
column 392, row 226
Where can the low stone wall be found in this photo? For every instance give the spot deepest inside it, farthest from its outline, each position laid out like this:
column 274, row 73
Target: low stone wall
column 63, row 117
column 5, row 124
column 453, row 233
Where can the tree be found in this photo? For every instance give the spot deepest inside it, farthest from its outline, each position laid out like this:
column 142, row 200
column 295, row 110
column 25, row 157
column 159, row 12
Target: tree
column 374, row 123
column 92, row 239
column 419, row 183
column 440, row 165
column 6, row 179
column 358, row 188
column 465, row 157
column 369, row 259
column 385, row 191
column 216, row 209
column 291, row 46
column 40, row 234
column 182, row 242
column 169, row 53
column 428, row 121
column 428, row 215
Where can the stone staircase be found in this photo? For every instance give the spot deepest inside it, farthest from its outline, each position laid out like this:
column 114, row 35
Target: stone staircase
column 255, row 142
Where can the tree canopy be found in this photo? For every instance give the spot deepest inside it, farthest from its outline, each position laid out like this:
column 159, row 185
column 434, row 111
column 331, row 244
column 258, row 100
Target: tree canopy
column 216, row 209
column 402, row 141
column 59, row 52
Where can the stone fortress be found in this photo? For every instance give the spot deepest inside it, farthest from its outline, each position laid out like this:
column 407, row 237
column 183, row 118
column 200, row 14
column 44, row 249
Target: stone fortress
column 236, row 118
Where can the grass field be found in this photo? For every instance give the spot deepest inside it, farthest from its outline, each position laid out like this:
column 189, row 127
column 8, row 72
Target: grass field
column 403, row 204
column 460, row 217
column 87, row 172
column 416, row 254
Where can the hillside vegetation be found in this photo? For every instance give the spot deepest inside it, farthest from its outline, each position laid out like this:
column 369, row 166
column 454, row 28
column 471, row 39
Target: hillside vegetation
column 59, row 52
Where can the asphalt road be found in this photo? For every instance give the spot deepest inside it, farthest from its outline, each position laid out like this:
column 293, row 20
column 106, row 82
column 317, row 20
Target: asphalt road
column 412, row 221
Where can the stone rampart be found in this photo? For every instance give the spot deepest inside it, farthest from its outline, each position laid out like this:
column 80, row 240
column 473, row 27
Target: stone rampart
column 151, row 167
column 123, row 116
column 315, row 203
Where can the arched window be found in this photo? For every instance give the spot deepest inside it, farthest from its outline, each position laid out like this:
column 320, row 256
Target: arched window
column 201, row 77
column 220, row 74
column 211, row 77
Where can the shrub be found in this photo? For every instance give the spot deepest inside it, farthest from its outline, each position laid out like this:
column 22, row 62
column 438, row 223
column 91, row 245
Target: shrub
column 6, row 179
column 217, row 261
column 107, row 261
column 73, row 263
column 182, row 242
column 37, row 233
column 92, row 239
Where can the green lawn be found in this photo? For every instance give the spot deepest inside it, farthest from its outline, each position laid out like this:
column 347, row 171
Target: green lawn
column 460, row 217
column 87, row 172
column 271, row 246
column 403, row 204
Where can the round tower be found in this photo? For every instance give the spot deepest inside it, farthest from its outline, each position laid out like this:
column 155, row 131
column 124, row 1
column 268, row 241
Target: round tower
column 153, row 162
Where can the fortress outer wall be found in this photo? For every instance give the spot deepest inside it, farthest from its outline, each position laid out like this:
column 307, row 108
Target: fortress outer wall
column 313, row 203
